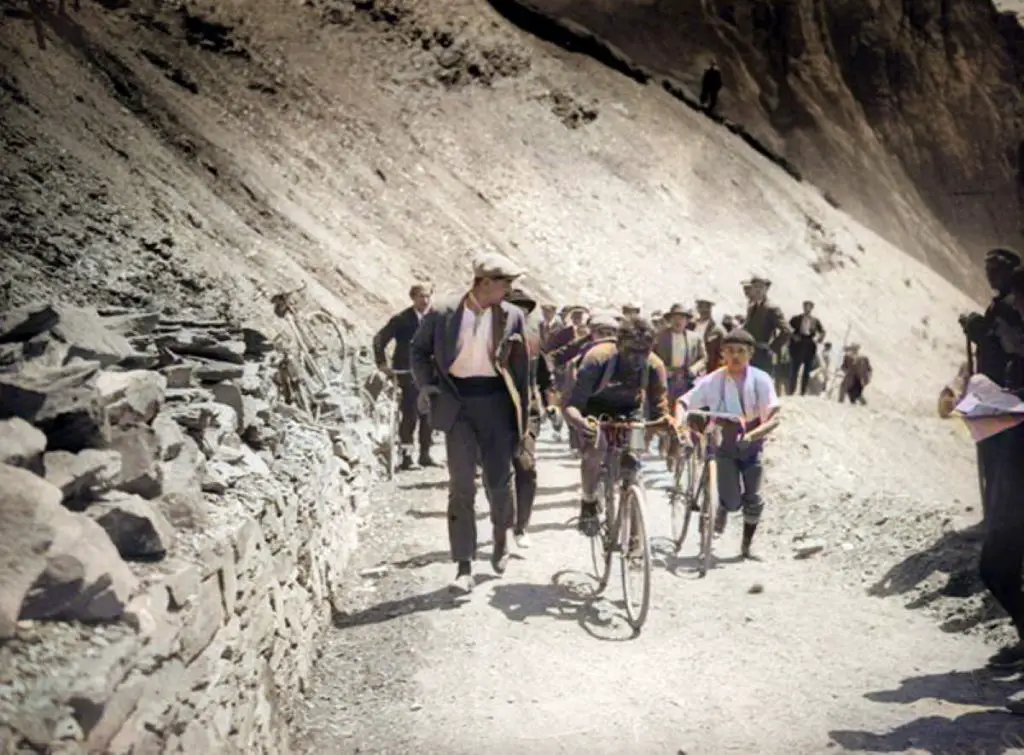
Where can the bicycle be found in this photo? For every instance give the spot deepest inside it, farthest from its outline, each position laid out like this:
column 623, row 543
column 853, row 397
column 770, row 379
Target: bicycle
column 621, row 505
column 321, row 347
column 682, row 497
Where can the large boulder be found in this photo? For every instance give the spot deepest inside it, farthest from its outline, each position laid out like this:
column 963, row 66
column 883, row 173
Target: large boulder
column 75, row 570
column 21, row 445
column 23, row 324
column 81, row 477
column 139, row 447
column 132, row 397
column 62, row 402
column 135, row 526
column 27, row 506
column 88, row 337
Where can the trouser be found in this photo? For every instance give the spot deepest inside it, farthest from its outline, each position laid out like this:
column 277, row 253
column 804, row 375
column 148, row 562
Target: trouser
column 709, row 99
column 988, row 464
column 484, row 430
column 854, row 390
column 801, row 363
column 592, row 453
column 764, row 359
column 409, row 416
column 1002, row 553
column 739, row 486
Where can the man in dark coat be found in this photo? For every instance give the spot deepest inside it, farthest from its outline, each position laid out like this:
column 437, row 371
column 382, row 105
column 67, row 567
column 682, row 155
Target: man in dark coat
column 991, row 358
column 541, row 384
column 808, row 332
column 472, row 367
column 766, row 323
column 1002, row 552
column 401, row 329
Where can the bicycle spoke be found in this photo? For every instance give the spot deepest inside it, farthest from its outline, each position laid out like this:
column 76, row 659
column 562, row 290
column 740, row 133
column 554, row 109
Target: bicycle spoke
column 635, row 557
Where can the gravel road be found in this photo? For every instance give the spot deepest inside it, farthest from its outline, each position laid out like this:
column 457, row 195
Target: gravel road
column 528, row 664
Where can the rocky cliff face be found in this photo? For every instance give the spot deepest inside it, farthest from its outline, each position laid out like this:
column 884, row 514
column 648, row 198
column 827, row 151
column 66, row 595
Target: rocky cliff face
column 890, row 105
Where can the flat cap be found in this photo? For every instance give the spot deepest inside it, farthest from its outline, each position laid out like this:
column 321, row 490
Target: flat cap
column 758, row 280
column 704, row 302
column 679, row 309
column 631, row 305
column 495, row 265
column 1003, row 255
column 603, row 320
column 521, row 298
column 739, row 336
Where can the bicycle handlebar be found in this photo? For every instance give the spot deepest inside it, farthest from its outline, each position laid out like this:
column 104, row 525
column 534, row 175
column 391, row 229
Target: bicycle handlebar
column 720, row 416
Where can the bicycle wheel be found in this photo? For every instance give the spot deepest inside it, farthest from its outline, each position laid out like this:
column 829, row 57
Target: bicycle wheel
column 684, row 493
column 602, row 544
column 635, row 557
column 709, row 503
column 325, row 342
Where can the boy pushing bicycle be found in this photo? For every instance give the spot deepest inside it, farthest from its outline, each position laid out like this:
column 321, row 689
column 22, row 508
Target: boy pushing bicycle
column 740, row 389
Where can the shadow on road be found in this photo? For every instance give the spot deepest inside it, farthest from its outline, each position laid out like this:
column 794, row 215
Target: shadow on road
column 955, row 554
column 425, row 485
column 569, row 597
column 979, row 732
column 438, row 600
column 555, row 489
column 663, row 554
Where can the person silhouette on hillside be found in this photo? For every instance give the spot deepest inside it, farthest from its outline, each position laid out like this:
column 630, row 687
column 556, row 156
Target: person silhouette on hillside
column 710, row 86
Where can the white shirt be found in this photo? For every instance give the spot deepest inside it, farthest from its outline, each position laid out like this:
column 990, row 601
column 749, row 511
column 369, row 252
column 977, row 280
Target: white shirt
column 475, row 346
column 805, row 325
column 678, row 349
column 717, row 392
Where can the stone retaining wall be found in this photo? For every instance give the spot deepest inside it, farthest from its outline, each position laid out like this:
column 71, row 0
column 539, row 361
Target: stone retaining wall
column 201, row 639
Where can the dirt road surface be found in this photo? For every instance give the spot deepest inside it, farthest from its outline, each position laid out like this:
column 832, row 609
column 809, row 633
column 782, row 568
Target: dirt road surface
column 529, row 664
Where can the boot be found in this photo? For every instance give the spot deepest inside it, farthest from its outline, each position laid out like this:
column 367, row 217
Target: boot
column 748, row 537
column 406, row 463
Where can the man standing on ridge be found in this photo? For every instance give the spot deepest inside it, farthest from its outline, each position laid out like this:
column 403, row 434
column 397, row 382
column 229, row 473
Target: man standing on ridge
column 401, row 329
column 471, row 365
column 710, row 86
column 766, row 323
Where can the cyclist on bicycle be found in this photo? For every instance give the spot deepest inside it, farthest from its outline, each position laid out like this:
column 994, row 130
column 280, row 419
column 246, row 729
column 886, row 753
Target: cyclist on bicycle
column 741, row 389
column 615, row 380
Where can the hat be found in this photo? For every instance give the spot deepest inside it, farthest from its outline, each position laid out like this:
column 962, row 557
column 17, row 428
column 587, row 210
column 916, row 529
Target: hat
column 739, row 336
column 704, row 302
column 679, row 309
column 521, row 298
column 1003, row 255
column 602, row 320
column 656, row 314
column 759, row 279
column 631, row 305
column 495, row 265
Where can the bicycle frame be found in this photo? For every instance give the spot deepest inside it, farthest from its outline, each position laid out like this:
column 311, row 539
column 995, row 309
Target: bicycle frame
column 394, row 419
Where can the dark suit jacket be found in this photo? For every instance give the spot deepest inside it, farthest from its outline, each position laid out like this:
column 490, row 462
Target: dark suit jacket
column 399, row 329
column 435, row 346
column 766, row 323
column 817, row 329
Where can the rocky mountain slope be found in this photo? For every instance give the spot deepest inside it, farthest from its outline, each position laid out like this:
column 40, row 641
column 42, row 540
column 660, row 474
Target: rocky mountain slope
column 181, row 152
column 900, row 109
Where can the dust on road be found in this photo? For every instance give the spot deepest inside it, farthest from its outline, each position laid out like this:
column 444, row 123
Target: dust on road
column 530, row 664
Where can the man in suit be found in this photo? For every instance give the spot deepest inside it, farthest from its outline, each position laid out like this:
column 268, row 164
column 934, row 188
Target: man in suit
column 401, row 329
column 681, row 349
column 525, row 462
column 712, row 333
column 471, row 364
column 766, row 323
column 808, row 332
